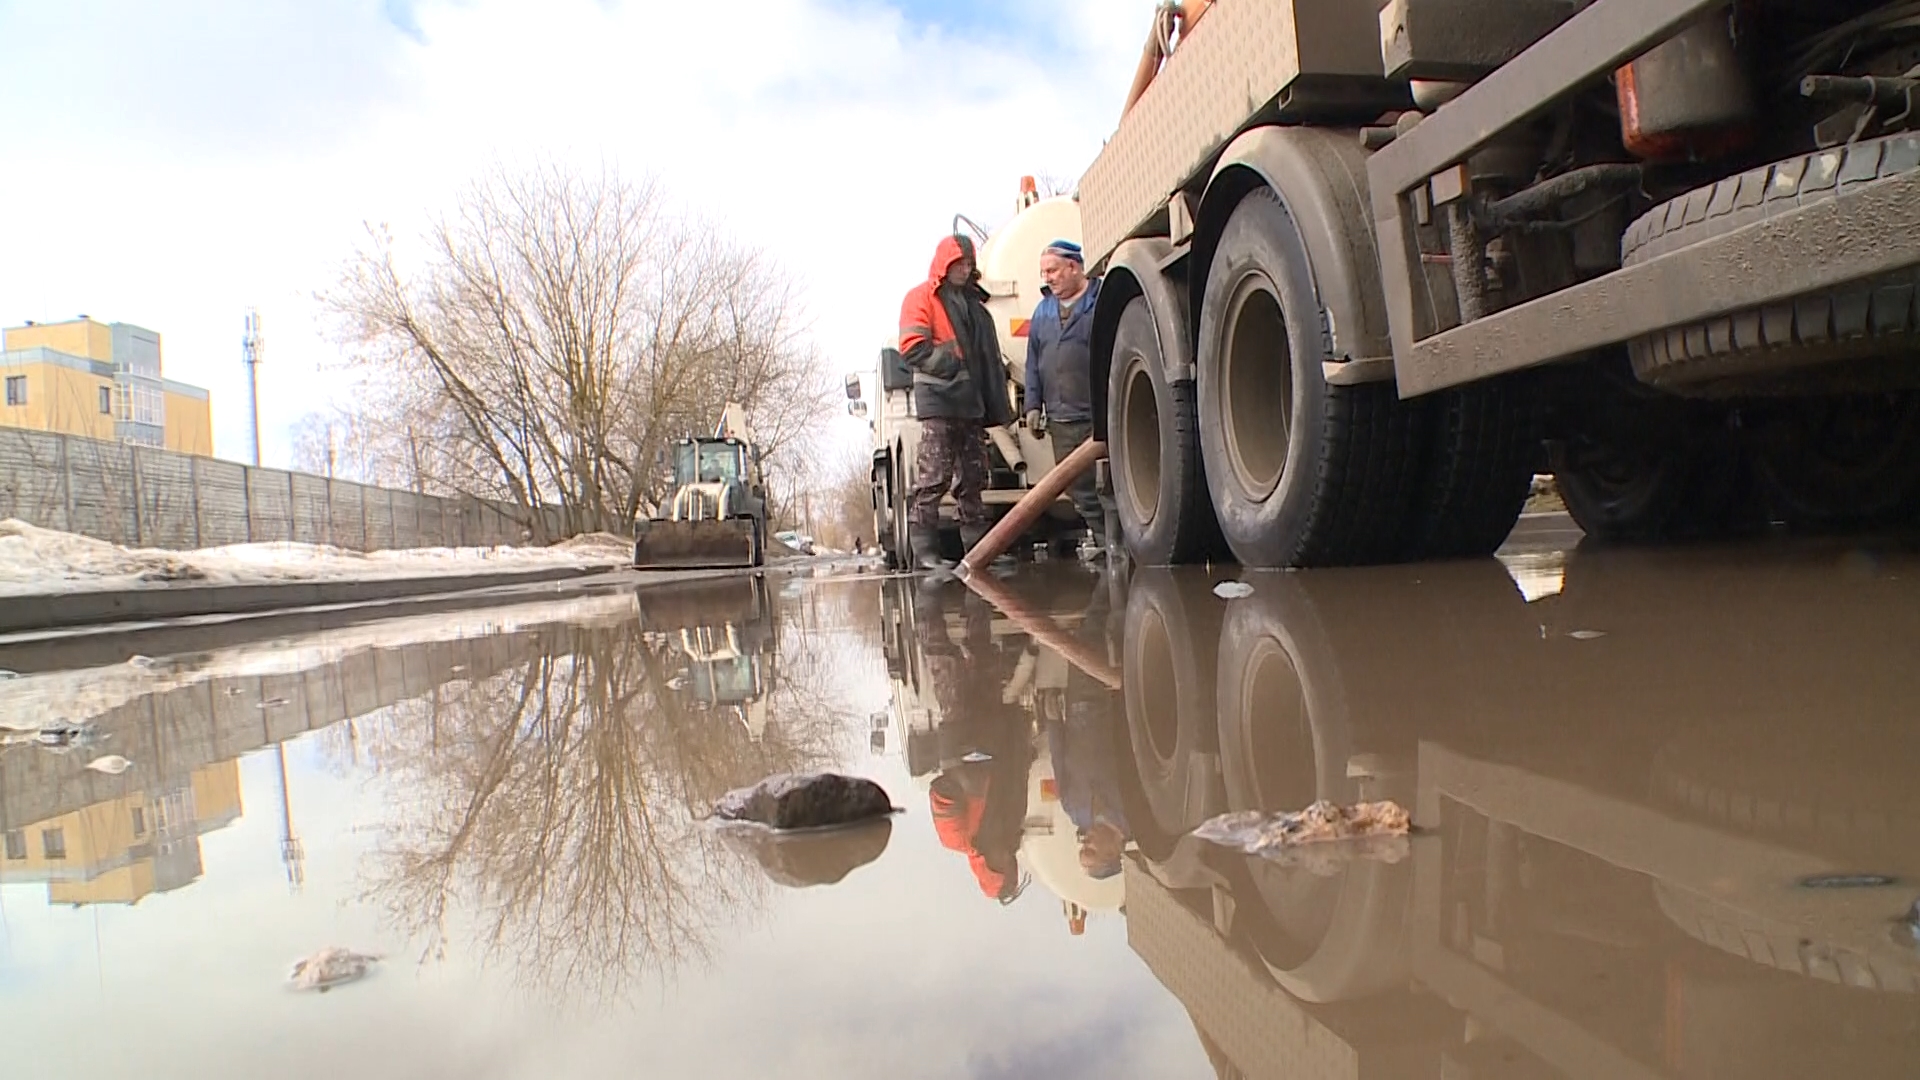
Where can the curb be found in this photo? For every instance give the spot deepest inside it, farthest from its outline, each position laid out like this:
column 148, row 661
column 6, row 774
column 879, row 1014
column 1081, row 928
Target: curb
column 20, row 614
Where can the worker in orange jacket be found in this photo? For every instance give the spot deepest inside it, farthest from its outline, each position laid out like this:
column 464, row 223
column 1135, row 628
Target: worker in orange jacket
column 948, row 341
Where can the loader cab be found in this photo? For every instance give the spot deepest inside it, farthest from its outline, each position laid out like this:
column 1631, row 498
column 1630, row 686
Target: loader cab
column 709, row 461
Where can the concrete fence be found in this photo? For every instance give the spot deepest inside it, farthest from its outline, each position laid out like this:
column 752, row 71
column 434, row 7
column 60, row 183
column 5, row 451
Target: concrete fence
column 146, row 497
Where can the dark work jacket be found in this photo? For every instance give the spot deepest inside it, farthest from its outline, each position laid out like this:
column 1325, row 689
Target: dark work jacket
column 1059, row 358
column 948, row 341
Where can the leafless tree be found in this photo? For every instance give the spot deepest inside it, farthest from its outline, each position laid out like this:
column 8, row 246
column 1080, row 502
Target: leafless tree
column 552, row 811
column 559, row 330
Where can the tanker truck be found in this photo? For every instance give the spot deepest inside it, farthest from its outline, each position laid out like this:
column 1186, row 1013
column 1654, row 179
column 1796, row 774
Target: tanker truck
column 1369, row 267
column 1009, row 263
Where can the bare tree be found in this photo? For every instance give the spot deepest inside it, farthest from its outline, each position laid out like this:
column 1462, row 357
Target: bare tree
column 552, row 812
column 559, row 332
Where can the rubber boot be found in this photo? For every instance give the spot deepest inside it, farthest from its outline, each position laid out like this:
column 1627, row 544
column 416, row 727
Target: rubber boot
column 926, row 551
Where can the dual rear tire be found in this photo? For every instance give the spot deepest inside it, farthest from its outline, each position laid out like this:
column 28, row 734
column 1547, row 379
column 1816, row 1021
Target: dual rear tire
column 1260, row 455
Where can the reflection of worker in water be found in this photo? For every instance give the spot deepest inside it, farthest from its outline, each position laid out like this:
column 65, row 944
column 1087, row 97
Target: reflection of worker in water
column 1086, row 766
column 979, row 802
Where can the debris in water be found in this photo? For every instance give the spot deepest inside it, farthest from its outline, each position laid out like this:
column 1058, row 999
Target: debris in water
column 975, row 757
column 271, row 703
column 1587, row 635
column 329, row 968
column 111, row 764
column 1232, row 590
column 1848, row 881
column 678, row 682
column 136, row 660
column 1301, row 838
column 1254, row 832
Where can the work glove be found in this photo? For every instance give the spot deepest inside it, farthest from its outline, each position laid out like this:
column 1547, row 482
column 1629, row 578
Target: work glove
column 1036, row 423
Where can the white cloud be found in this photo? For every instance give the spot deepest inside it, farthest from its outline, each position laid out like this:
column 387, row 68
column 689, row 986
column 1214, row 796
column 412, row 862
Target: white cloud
column 172, row 169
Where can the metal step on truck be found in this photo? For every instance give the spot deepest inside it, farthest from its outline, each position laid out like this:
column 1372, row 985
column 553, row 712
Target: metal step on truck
column 1368, row 269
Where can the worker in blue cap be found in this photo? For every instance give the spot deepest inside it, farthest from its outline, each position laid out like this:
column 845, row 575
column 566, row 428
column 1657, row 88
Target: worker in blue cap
column 1059, row 390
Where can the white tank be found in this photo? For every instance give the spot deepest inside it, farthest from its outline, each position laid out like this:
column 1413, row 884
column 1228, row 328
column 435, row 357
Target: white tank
column 1009, row 264
column 1051, row 850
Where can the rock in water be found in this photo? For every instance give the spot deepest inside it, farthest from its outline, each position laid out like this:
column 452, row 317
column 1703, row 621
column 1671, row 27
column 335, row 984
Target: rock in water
column 813, row 801
column 809, row 859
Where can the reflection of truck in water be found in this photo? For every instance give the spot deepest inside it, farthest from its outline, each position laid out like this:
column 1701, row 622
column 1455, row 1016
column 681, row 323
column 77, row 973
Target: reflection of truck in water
column 1009, row 264
column 716, row 635
column 1361, row 259
column 1636, row 901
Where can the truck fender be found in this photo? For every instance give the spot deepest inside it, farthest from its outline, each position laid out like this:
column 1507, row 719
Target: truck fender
column 1320, row 176
column 1134, row 269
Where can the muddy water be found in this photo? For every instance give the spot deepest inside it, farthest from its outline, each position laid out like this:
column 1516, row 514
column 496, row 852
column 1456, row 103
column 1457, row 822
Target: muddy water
column 1666, row 827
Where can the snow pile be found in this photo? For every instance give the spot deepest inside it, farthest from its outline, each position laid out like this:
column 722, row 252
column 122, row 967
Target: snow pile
column 50, row 699
column 35, row 560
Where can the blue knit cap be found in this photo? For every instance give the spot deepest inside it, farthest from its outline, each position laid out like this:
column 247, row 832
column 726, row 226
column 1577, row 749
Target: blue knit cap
column 1066, row 249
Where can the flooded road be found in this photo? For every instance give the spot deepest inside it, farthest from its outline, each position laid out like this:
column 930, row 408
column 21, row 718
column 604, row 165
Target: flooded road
column 1665, row 827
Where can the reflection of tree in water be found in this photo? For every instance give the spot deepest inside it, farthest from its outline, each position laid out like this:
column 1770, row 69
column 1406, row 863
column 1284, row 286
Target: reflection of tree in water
column 556, row 806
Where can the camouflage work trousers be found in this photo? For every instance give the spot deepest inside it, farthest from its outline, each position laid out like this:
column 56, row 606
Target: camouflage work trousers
column 952, row 454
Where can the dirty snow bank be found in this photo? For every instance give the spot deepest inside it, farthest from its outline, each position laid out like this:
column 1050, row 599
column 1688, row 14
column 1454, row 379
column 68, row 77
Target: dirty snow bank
column 35, row 560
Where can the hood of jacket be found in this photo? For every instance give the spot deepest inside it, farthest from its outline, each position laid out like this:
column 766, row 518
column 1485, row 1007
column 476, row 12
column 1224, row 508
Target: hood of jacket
column 950, row 250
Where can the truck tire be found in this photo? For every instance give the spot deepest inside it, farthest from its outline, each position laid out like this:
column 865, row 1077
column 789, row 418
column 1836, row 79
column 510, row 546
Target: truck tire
column 1153, row 440
column 1169, row 660
column 1858, row 319
column 901, row 555
column 1483, row 441
column 1301, row 473
column 1675, row 483
column 1839, row 463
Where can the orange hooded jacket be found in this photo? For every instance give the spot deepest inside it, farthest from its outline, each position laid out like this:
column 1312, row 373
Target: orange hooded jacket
column 952, row 377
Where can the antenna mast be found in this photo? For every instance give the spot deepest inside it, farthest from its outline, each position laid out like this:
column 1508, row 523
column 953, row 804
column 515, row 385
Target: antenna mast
column 253, row 347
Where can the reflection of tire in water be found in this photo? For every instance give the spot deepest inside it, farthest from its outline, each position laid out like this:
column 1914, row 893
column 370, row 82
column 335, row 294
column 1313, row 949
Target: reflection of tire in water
column 1172, row 628
column 1286, row 740
column 1887, row 967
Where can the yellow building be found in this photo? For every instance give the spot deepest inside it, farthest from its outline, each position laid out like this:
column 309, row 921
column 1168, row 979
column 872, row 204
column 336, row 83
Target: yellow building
column 102, row 381
column 123, row 849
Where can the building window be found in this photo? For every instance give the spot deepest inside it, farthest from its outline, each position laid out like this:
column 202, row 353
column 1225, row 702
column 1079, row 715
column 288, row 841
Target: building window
column 106, row 401
column 53, row 843
column 16, row 389
column 16, row 845
column 140, row 404
column 139, row 822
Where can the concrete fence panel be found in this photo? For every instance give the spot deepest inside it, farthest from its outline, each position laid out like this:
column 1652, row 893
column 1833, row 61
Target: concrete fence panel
column 148, row 497
column 163, row 488
column 103, row 501
column 33, row 478
column 312, row 516
column 220, row 489
column 349, row 514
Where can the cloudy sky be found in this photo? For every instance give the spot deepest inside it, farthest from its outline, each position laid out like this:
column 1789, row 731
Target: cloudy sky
column 171, row 163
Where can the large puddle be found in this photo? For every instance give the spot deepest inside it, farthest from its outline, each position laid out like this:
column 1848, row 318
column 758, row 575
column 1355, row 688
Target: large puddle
column 1667, row 825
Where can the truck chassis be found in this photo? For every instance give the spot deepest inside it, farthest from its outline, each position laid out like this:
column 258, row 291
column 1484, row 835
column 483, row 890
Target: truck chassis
column 1366, row 273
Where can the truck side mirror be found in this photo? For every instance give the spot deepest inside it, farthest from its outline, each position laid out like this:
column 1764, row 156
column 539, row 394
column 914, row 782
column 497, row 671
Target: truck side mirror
column 857, row 408
column 853, row 387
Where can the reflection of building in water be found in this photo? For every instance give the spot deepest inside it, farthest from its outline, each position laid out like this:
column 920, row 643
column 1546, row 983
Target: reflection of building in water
column 120, row 850
column 98, row 839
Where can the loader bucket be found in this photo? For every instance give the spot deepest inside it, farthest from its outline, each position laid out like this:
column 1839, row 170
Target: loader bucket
column 687, row 545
